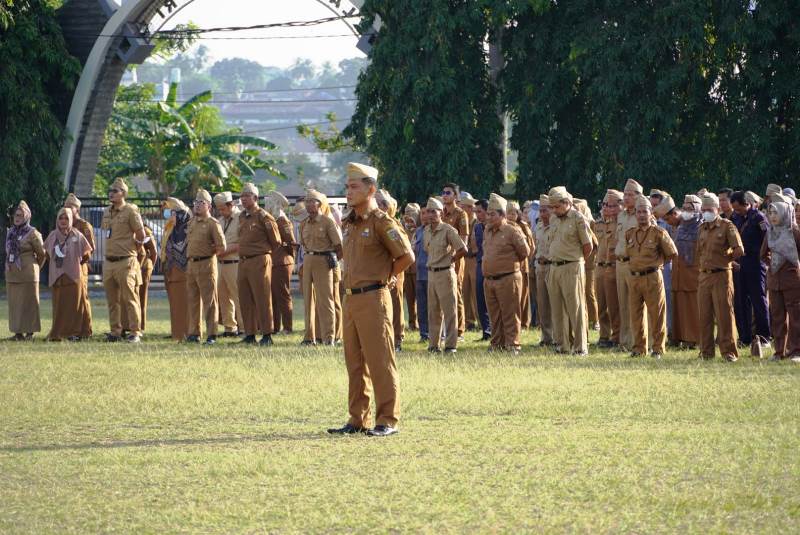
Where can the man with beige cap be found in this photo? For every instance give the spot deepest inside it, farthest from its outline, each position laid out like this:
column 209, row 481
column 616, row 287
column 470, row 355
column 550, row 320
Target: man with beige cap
column 626, row 220
column 649, row 247
column 258, row 237
column 388, row 204
column 205, row 241
column 467, row 203
column 374, row 254
column 718, row 246
column 228, row 265
column 411, row 221
column 123, row 231
column 322, row 246
column 454, row 216
column 606, row 271
column 444, row 248
column 504, row 250
column 84, row 227
column 541, row 237
column 282, row 263
column 570, row 247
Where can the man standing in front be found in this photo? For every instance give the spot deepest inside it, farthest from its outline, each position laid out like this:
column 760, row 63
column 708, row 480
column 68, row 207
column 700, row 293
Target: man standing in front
column 456, row 218
column 504, row 250
column 122, row 275
column 205, row 241
column 570, row 247
column 322, row 244
column 228, row 264
column 258, row 237
column 718, row 246
column 649, row 247
column 625, row 220
column 444, row 248
column 374, row 255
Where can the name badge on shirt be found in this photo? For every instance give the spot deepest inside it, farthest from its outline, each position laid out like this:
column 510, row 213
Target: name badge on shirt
column 11, row 258
column 365, row 233
column 108, row 233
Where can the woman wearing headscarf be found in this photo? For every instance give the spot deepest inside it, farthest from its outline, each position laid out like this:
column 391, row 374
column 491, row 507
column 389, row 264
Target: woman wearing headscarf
column 24, row 257
column 514, row 215
column 685, row 273
column 780, row 251
column 67, row 249
column 174, row 262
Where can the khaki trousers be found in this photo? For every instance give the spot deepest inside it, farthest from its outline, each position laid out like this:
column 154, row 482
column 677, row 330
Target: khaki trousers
column 544, row 312
column 623, row 277
column 175, row 283
column 87, row 303
column 607, row 302
column 254, row 281
column 460, row 320
column 121, row 281
column 784, row 309
column 525, row 302
column 318, row 297
column 397, row 309
column 568, row 306
column 228, row 297
column 144, row 290
column 591, row 296
column 337, row 305
column 715, row 301
column 282, row 297
column 410, row 291
column 369, row 356
column 502, row 300
column 442, row 296
column 201, row 294
column 470, row 295
column 648, row 291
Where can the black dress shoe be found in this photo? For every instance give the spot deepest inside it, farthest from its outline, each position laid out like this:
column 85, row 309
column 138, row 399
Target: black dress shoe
column 250, row 339
column 308, row 343
column 347, row 430
column 382, row 431
column 193, row 339
column 434, row 350
column 211, row 340
column 450, row 350
column 230, row 334
column 109, row 338
column 266, row 340
column 398, row 348
column 484, row 338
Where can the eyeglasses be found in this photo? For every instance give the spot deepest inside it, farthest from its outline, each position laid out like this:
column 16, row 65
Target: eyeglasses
column 114, row 190
column 447, row 192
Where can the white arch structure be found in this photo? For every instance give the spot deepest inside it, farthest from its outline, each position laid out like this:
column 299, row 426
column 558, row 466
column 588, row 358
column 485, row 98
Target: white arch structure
column 128, row 12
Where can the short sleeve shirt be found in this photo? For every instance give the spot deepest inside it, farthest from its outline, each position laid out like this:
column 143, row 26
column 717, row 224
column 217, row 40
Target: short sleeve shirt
column 541, row 236
column 625, row 221
column 504, row 250
column 441, row 244
column 648, row 247
column 120, row 226
column 606, row 232
column 230, row 228
column 371, row 244
column 204, row 235
column 284, row 255
column 715, row 243
column 319, row 234
column 569, row 234
column 258, row 233
column 457, row 218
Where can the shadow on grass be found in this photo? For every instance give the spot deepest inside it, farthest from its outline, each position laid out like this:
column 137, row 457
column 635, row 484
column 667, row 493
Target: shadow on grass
column 118, row 444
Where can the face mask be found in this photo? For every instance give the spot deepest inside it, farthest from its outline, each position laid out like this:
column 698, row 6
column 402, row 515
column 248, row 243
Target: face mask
column 708, row 217
column 686, row 216
column 167, row 213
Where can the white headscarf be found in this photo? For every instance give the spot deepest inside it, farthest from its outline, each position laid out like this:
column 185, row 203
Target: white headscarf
column 782, row 245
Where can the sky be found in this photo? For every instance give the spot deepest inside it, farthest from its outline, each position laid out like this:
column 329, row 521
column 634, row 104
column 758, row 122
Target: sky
column 277, row 52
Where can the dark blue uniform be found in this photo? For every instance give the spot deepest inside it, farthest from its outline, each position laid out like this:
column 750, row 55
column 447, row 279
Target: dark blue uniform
column 483, row 311
column 750, row 283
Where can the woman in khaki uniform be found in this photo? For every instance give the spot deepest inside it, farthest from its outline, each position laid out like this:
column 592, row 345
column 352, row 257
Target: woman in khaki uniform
column 411, row 220
column 67, row 249
column 685, row 273
column 388, row 204
column 24, row 257
column 514, row 218
column 174, row 262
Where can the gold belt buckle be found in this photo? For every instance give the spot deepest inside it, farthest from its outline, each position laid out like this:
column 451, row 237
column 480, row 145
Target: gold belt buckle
column 348, row 291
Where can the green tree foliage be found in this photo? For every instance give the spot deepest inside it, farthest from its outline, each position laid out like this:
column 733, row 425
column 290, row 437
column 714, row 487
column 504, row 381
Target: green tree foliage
column 37, row 77
column 426, row 109
column 237, row 74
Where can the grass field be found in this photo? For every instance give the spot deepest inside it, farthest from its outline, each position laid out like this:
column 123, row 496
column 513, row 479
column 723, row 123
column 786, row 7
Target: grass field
column 165, row 437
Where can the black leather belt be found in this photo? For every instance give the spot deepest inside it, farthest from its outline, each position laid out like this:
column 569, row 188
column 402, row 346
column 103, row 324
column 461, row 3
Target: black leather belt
column 242, row 257
column 228, row 262
column 365, row 289
column 645, row 272
column 624, row 259
column 562, row 262
column 320, row 253
column 200, row 258
column 606, row 264
column 117, row 258
column 436, row 270
column 715, row 270
column 500, row 276
column 543, row 262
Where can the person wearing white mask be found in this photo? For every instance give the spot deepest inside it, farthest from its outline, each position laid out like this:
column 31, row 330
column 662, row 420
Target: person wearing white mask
column 685, row 272
column 718, row 246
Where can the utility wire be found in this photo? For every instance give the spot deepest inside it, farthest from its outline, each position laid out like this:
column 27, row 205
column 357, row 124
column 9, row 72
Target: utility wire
column 281, row 90
column 92, row 37
column 294, row 127
column 246, row 101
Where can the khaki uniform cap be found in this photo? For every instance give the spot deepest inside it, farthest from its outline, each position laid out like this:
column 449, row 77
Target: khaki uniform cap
column 203, row 195
column 497, row 203
column 709, row 200
column 773, row 188
column 250, row 188
column 613, row 194
column 643, row 202
column 434, row 204
column 356, row 171
column 120, row 185
column 279, row 199
column 632, row 185
column 223, row 198
column 558, row 194
column 544, row 200
column 72, row 201
column 753, row 198
column 692, row 199
column 666, row 205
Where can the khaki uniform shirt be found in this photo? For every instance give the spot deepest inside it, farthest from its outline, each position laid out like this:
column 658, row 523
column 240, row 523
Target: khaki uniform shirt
column 606, row 232
column 31, row 258
column 230, row 228
column 320, row 234
column 258, row 233
column 284, row 255
column 371, row 244
column 648, row 247
column 568, row 236
column 504, row 250
column 716, row 242
column 457, row 218
column 441, row 244
column 203, row 236
column 120, row 226
column 412, row 269
column 85, row 228
column 625, row 221
column 541, row 236
column 528, row 239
